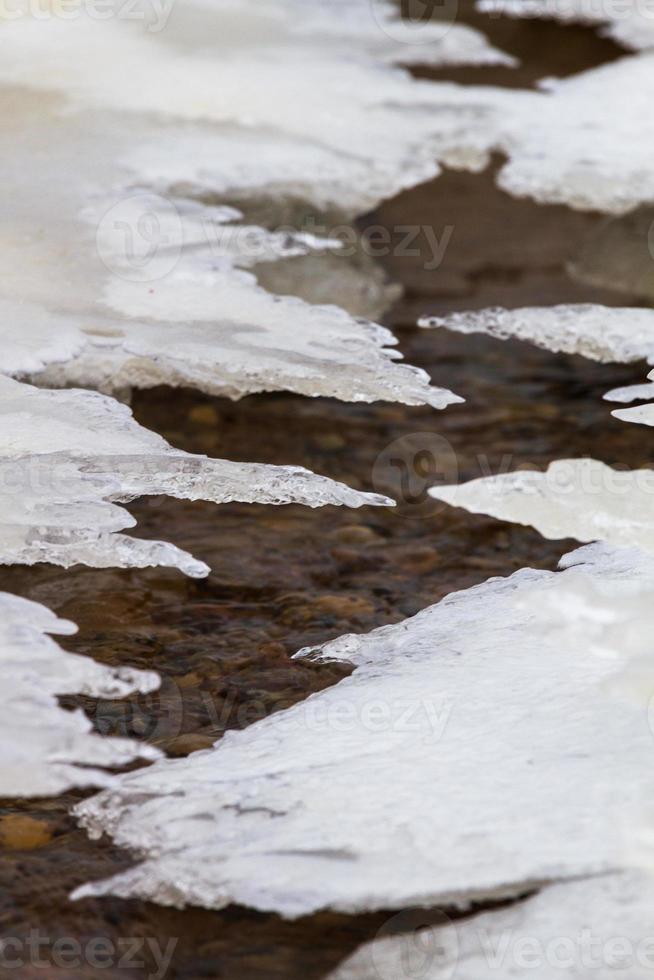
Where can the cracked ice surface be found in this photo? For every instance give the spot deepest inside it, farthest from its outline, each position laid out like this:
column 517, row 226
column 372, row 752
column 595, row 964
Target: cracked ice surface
column 596, row 928
column 600, row 333
column 574, row 498
column 45, row 749
column 630, row 24
column 67, row 456
column 471, row 755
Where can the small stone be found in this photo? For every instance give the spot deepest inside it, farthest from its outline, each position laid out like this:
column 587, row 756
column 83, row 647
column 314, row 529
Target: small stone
column 420, row 561
column 204, row 415
column 329, row 440
column 342, row 606
column 357, row 534
column 22, row 833
column 183, row 745
column 191, row 680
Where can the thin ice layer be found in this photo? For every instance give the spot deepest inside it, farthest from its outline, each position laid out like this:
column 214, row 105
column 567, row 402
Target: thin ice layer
column 640, row 414
column 630, row 23
column 67, row 456
column 446, row 769
column 600, row 333
column 45, row 749
column 596, row 929
column 574, row 498
column 125, row 285
column 631, row 393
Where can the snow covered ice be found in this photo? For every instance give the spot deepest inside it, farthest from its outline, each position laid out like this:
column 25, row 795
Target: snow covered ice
column 45, row 749
column 464, row 714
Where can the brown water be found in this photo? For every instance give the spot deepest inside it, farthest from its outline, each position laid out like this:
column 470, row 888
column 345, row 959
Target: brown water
column 283, row 578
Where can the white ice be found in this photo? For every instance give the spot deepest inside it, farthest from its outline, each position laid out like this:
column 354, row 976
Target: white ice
column 67, row 456
column 631, row 393
column 600, row 333
column 45, row 749
column 574, row 498
column 595, row 929
column 309, row 80
column 585, row 141
column 111, row 284
column 471, row 755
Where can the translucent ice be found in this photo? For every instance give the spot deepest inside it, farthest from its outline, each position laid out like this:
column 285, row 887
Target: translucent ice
column 600, row 333
column 574, row 498
column 471, row 755
column 67, row 456
column 45, row 749
column 630, row 23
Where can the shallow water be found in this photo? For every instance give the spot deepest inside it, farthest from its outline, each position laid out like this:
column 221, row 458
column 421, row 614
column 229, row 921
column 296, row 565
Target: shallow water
column 285, row 578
